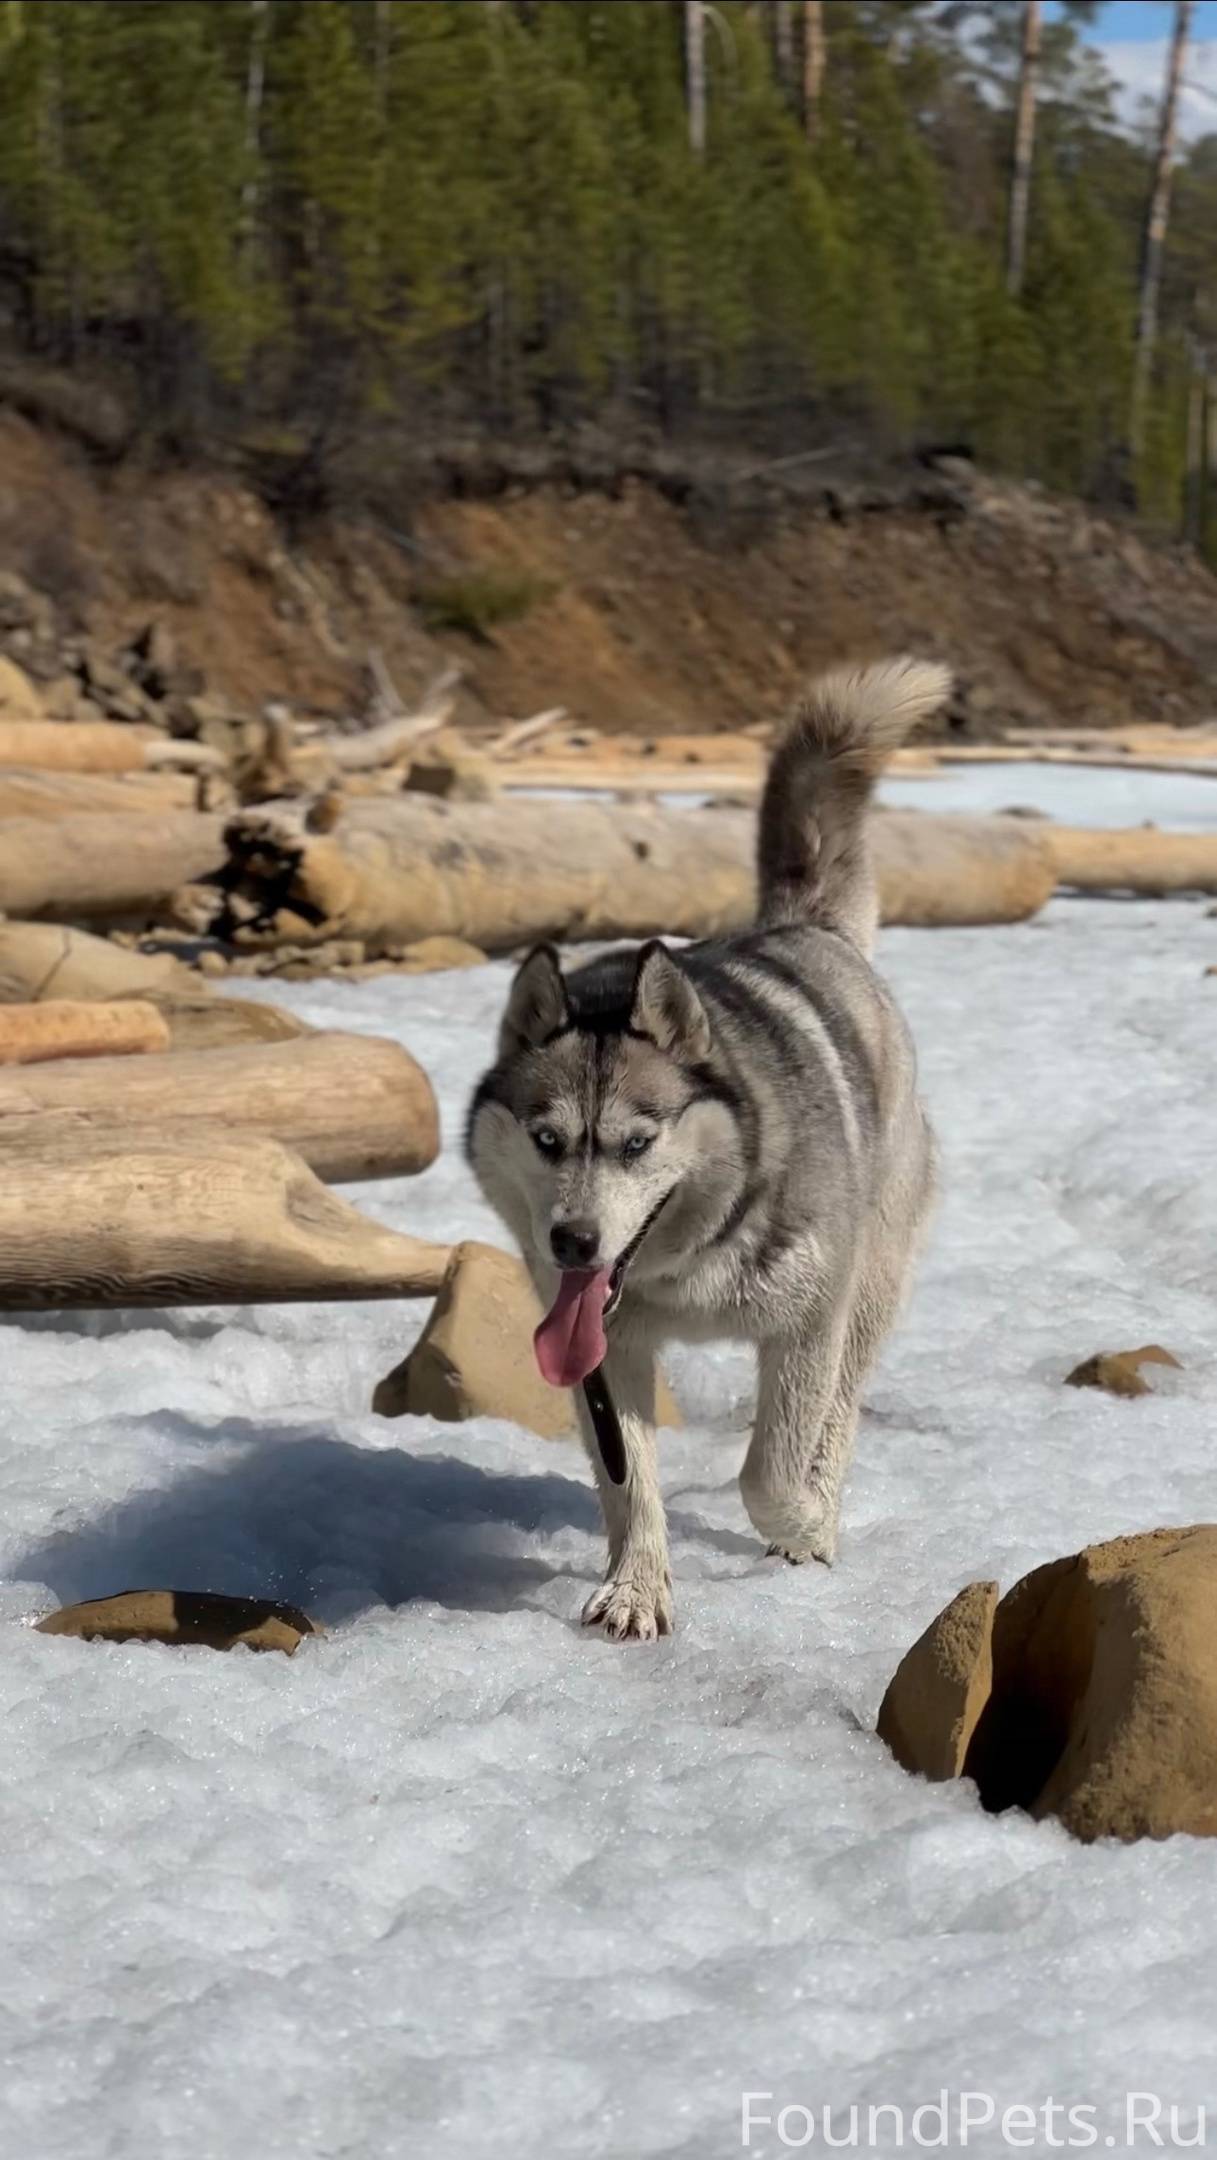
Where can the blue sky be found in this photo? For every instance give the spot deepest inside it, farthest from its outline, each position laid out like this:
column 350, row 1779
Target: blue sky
column 1140, row 19
column 1132, row 35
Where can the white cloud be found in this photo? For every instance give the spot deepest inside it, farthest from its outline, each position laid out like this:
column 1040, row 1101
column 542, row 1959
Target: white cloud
column 1139, row 67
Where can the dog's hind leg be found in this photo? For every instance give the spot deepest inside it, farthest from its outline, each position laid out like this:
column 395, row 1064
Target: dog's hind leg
column 805, row 1419
column 635, row 1599
column 807, row 1414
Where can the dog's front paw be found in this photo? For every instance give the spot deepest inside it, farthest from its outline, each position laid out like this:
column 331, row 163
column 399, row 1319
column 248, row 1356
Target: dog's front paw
column 808, row 1531
column 630, row 1608
column 825, row 1550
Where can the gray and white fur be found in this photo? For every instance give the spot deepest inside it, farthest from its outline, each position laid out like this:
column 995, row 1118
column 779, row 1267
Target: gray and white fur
column 733, row 1127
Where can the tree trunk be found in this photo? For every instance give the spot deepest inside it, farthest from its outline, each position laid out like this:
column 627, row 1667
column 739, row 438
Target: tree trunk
column 47, row 960
column 695, row 73
column 82, row 746
column 1155, row 227
column 68, row 1028
column 504, row 874
column 103, row 867
column 1024, row 150
column 1194, row 460
column 783, row 45
column 35, row 792
column 815, row 53
column 96, row 1215
column 255, row 85
column 353, row 1106
column 1139, row 861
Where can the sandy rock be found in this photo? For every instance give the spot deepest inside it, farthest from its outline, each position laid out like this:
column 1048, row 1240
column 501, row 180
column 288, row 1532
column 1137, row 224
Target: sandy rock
column 184, row 1617
column 1103, row 1705
column 19, row 700
column 1118, row 1372
column 474, row 1357
column 930, row 1711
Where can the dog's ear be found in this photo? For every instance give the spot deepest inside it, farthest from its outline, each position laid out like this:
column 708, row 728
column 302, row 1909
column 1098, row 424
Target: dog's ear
column 666, row 1006
column 537, row 1005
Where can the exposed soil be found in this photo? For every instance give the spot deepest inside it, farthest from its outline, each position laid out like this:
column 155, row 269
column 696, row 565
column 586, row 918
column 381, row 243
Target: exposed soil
column 649, row 613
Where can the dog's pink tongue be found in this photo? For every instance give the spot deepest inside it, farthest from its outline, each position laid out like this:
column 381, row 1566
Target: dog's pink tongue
column 570, row 1340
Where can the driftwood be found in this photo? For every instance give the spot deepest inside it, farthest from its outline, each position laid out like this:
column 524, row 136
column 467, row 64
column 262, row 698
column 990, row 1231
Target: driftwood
column 196, row 1020
column 102, row 867
column 1142, row 860
column 83, row 746
column 353, row 1106
column 502, row 874
column 96, row 1215
column 47, row 960
column 25, row 793
column 69, row 1028
column 390, row 743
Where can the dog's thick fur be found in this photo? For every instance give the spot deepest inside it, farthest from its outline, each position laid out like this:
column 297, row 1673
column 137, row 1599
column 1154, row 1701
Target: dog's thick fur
column 739, row 1118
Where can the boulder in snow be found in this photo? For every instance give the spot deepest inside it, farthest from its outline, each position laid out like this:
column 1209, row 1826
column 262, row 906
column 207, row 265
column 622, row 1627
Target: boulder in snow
column 1118, row 1372
column 474, row 1357
column 1102, row 1690
column 202, row 1617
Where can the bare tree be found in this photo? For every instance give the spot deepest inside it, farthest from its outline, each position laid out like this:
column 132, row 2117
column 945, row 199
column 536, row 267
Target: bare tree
column 1156, row 223
column 814, row 55
column 255, row 86
column 783, row 44
column 695, row 74
column 1024, row 148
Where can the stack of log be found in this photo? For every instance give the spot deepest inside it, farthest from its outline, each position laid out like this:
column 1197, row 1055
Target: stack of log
column 132, row 802
column 163, row 1145
column 173, row 1148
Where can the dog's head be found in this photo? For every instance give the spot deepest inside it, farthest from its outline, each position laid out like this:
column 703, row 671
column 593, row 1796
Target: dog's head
column 604, row 1135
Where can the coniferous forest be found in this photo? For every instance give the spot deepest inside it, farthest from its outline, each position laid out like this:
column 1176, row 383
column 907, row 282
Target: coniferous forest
column 291, row 219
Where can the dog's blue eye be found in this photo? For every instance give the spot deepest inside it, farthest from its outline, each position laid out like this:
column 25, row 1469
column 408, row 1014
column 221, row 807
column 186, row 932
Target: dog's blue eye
column 637, row 1144
column 547, row 1141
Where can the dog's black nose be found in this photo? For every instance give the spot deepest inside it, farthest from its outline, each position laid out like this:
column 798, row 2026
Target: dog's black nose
column 575, row 1244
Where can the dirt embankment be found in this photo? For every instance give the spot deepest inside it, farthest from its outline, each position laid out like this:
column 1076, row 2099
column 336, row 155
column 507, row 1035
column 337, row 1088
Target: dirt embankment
column 631, row 609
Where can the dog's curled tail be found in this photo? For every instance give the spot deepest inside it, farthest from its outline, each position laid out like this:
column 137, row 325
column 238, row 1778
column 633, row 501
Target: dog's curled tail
column 813, row 861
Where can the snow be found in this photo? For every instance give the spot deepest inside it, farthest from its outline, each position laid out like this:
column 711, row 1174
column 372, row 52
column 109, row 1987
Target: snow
column 459, row 1878
column 1072, row 794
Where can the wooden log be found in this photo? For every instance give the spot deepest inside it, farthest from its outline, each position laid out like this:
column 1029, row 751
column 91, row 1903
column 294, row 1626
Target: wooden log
column 1142, row 860
column 197, row 1020
column 102, row 867
column 353, row 1106
column 81, row 746
column 71, row 1028
column 40, row 960
column 96, row 1215
column 504, row 874
column 53, row 795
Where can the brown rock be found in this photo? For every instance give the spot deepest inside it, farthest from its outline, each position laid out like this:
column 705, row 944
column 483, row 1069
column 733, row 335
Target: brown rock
column 1103, row 1706
column 184, row 1617
column 1118, row 1371
column 474, row 1357
column 19, row 700
column 941, row 1685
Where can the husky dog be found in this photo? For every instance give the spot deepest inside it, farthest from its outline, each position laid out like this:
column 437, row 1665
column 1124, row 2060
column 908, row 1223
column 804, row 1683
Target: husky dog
column 725, row 1140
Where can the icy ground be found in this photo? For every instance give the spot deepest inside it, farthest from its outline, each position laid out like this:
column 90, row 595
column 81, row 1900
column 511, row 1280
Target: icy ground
column 463, row 1880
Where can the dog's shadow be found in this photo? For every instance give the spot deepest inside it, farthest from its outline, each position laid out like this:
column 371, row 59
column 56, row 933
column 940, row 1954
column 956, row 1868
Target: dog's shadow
column 338, row 1529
